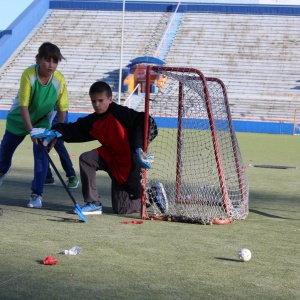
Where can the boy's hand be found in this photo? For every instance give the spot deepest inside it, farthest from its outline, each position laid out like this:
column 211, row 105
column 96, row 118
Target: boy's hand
column 46, row 135
column 144, row 158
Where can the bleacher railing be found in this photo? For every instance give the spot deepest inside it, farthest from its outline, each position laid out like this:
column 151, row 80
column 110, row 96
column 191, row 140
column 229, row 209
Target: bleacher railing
column 127, row 101
column 162, row 41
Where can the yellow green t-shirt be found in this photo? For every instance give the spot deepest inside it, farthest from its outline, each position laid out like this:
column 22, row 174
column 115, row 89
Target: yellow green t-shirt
column 40, row 100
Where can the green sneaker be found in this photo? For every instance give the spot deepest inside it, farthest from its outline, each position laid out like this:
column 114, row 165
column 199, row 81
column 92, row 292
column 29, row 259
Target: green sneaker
column 72, row 182
column 49, row 181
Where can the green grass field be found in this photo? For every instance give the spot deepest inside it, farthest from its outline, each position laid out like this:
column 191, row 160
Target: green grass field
column 154, row 260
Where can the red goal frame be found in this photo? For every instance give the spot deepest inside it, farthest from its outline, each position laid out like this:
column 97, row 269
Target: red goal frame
column 216, row 149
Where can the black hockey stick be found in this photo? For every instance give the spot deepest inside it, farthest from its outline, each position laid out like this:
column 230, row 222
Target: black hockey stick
column 272, row 167
column 77, row 207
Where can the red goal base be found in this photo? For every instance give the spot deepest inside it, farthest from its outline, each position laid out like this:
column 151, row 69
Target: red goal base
column 188, row 220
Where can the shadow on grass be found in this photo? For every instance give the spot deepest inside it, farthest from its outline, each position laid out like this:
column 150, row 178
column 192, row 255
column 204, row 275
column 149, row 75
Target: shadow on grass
column 69, row 220
column 31, row 211
column 274, row 203
column 227, row 259
column 267, row 214
column 7, row 204
column 46, row 205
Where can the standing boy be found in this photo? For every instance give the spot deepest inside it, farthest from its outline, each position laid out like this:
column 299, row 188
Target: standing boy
column 41, row 88
column 120, row 130
column 66, row 163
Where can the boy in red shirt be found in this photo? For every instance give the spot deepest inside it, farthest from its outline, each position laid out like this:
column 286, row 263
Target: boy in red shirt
column 119, row 130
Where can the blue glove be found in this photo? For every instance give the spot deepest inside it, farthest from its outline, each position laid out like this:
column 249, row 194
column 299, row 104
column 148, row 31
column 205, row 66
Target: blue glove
column 46, row 135
column 144, row 158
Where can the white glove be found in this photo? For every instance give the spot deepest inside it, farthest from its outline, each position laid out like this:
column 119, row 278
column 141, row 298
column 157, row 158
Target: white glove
column 144, row 158
column 46, row 135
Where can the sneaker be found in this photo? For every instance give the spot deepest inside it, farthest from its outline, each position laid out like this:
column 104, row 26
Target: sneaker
column 144, row 158
column 148, row 199
column 35, row 201
column 2, row 176
column 49, row 181
column 159, row 196
column 72, row 182
column 91, row 209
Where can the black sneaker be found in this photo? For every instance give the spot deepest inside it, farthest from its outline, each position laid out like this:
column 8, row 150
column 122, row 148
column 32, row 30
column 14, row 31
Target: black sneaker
column 157, row 194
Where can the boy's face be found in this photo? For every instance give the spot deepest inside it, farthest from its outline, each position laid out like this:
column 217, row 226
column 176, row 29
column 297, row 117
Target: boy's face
column 100, row 102
column 47, row 66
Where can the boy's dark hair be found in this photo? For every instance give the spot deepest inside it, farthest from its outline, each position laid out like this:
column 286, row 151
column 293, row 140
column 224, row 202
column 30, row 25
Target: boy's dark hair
column 101, row 87
column 48, row 50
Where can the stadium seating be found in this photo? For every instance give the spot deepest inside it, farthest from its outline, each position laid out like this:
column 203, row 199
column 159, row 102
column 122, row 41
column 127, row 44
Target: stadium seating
column 256, row 56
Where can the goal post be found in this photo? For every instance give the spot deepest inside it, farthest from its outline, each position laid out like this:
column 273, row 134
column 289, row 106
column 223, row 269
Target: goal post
column 196, row 154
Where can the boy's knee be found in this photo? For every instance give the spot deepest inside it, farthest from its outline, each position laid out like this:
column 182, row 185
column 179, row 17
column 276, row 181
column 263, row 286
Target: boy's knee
column 122, row 204
column 84, row 158
column 127, row 208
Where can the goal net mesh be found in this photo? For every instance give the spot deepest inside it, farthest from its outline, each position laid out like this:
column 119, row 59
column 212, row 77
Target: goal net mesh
column 196, row 154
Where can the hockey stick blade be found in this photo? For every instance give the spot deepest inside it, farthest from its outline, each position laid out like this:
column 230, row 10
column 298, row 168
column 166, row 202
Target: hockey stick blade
column 80, row 213
column 77, row 207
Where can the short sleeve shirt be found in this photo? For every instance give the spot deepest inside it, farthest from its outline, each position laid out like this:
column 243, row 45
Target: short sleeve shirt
column 40, row 99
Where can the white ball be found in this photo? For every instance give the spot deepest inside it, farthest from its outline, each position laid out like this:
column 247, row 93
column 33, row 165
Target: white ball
column 244, row 254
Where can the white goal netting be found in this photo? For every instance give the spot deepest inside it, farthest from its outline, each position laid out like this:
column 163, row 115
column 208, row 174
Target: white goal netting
column 197, row 157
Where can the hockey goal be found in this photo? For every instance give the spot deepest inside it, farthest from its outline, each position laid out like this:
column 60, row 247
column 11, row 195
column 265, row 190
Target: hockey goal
column 196, row 154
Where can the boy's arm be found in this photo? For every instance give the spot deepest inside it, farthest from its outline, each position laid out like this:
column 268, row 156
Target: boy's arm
column 26, row 118
column 77, row 132
column 133, row 121
column 138, row 135
column 61, row 116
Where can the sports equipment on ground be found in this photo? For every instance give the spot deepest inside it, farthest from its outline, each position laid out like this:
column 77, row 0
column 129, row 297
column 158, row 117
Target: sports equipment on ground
column 91, row 209
column 46, row 135
column 77, row 207
column 49, row 260
column 35, row 201
column 73, row 251
column 272, row 167
column 197, row 157
column 144, row 158
column 72, row 182
column 244, row 254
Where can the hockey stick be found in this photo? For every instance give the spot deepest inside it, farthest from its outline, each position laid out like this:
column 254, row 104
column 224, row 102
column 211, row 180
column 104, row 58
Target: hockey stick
column 77, row 207
column 272, row 167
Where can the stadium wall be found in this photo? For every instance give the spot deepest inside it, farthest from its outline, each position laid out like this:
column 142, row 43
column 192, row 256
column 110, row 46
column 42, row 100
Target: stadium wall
column 184, row 7
column 274, row 127
column 24, row 24
column 269, row 127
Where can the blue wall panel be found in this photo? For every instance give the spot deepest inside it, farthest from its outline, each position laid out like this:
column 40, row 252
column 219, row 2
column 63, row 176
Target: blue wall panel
column 279, row 127
column 184, row 7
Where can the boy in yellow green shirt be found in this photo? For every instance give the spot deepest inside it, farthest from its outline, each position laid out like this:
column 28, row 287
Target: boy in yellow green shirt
column 42, row 87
